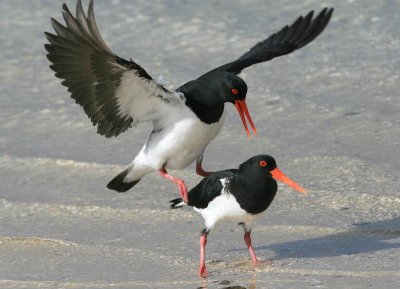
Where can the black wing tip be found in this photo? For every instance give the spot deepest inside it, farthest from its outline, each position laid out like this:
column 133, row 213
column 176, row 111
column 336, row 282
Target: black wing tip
column 53, row 20
column 325, row 12
column 310, row 14
column 291, row 38
column 49, row 35
column 48, row 47
column 313, row 27
column 330, row 11
column 65, row 7
column 56, row 24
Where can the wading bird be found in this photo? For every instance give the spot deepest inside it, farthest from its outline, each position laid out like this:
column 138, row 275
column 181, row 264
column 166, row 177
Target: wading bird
column 238, row 195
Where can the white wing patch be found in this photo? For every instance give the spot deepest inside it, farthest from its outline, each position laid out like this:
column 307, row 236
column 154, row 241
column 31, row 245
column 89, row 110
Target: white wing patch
column 224, row 182
column 143, row 102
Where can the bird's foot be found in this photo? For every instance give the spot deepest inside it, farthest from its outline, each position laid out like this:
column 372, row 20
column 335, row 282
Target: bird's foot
column 203, row 273
column 262, row 263
column 180, row 183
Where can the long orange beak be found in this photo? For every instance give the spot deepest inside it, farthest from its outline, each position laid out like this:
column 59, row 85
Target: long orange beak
column 244, row 112
column 278, row 175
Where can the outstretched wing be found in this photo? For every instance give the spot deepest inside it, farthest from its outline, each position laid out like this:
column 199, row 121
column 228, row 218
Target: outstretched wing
column 288, row 39
column 115, row 93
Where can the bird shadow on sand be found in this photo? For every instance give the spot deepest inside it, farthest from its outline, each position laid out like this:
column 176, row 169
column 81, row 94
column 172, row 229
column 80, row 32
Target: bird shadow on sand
column 361, row 238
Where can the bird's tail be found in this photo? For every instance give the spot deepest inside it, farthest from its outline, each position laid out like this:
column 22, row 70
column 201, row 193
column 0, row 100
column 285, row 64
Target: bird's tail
column 177, row 203
column 120, row 184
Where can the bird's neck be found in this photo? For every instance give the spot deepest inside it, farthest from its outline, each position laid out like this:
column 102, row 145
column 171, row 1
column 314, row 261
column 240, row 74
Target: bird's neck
column 203, row 101
column 206, row 113
column 254, row 194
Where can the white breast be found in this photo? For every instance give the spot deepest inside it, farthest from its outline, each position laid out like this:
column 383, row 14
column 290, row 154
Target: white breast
column 180, row 142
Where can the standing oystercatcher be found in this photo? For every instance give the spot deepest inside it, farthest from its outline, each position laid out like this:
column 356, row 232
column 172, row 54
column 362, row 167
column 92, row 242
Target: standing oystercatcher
column 238, row 195
column 116, row 93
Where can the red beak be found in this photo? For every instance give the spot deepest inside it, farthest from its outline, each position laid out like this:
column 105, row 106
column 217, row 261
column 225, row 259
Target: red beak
column 279, row 176
column 244, row 113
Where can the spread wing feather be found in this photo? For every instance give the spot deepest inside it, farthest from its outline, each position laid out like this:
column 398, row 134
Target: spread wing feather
column 115, row 93
column 288, row 39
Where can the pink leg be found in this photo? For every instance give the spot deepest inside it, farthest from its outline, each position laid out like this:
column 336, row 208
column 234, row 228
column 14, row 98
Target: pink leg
column 199, row 168
column 180, row 183
column 202, row 267
column 247, row 240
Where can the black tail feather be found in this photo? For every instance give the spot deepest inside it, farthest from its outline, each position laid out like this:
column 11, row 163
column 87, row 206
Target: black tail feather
column 118, row 184
column 176, row 203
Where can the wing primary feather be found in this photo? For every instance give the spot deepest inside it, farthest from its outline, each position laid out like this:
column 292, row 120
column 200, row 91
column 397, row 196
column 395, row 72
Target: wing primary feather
column 314, row 29
column 282, row 34
column 293, row 28
column 81, row 18
column 322, row 24
column 302, row 28
column 93, row 28
column 59, row 28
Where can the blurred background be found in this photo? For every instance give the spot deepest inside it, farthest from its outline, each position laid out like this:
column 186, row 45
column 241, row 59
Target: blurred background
column 329, row 114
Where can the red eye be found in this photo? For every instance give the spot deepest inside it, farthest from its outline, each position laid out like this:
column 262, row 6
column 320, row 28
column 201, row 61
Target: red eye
column 263, row 163
column 235, row 91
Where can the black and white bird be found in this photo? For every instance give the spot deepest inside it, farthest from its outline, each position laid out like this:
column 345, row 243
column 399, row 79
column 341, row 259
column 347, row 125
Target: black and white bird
column 239, row 195
column 117, row 94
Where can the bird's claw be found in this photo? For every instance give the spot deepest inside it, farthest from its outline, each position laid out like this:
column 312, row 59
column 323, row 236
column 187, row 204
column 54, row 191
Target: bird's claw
column 203, row 273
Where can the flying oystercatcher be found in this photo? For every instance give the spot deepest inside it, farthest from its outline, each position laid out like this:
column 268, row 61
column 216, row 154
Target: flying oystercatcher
column 238, row 195
column 116, row 93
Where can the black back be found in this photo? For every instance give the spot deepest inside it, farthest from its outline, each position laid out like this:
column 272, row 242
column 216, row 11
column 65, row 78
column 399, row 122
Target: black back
column 209, row 188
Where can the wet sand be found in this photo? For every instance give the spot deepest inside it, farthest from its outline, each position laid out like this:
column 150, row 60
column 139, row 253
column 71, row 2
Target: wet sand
column 328, row 113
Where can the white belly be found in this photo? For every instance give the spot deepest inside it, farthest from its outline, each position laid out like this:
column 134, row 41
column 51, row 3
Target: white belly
column 179, row 143
column 225, row 208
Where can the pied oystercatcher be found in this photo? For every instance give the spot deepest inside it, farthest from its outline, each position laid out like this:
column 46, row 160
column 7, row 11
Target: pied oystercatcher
column 238, row 195
column 116, row 93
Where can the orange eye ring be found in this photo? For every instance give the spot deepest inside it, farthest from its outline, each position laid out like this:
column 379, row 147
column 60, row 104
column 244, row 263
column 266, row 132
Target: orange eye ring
column 263, row 163
column 235, row 91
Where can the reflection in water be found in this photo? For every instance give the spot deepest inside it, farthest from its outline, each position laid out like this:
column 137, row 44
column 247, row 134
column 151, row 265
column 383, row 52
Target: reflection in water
column 253, row 280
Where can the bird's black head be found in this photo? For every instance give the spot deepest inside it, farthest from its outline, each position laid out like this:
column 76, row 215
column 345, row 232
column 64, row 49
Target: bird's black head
column 221, row 86
column 207, row 95
column 264, row 166
column 261, row 165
